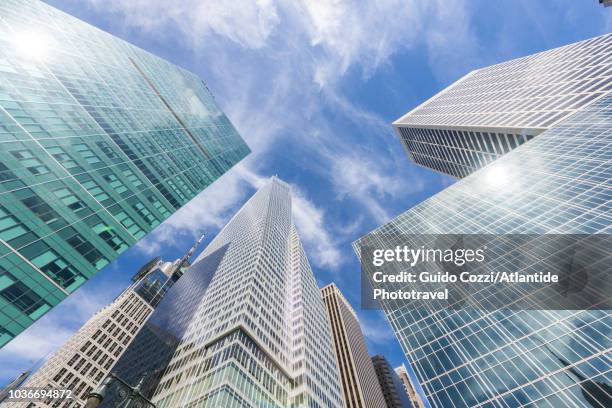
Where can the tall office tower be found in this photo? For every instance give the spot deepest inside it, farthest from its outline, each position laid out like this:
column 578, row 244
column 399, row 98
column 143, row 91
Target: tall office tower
column 359, row 382
column 492, row 110
column 557, row 183
column 87, row 357
column 254, row 334
column 390, row 383
column 101, row 142
column 415, row 397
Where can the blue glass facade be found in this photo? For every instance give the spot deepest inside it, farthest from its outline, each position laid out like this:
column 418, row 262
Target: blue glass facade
column 559, row 182
column 101, row 142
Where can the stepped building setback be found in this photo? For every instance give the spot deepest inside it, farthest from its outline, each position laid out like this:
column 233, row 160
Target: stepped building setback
column 246, row 327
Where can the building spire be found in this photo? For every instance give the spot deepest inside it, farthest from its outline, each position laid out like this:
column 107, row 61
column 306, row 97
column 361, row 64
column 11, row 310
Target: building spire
column 185, row 259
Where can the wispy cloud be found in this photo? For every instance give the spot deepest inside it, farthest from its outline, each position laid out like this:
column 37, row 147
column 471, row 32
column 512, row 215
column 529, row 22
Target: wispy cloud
column 277, row 76
column 375, row 327
column 362, row 178
column 310, row 222
column 453, row 47
column 246, row 23
column 357, row 33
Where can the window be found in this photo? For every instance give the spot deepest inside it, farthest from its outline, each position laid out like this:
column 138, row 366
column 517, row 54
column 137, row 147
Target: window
column 18, row 294
column 6, row 174
column 107, row 234
column 10, row 227
column 57, row 268
column 129, row 224
column 39, row 207
column 106, row 149
column 87, row 153
column 59, row 375
column 73, row 360
column 30, row 162
column 61, row 156
column 95, row 190
column 129, row 174
column 158, row 206
column 115, row 183
column 86, row 249
column 69, row 199
column 145, row 214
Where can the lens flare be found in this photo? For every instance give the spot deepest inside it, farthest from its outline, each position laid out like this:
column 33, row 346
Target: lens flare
column 33, row 45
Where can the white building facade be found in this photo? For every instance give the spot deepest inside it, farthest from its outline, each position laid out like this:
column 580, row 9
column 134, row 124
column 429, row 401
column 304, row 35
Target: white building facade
column 259, row 336
column 88, row 356
column 493, row 110
column 91, row 353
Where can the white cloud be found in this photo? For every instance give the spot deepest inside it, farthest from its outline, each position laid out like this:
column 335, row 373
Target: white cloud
column 453, row 47
column 356, row 33
column 247, row 23
column 275, row 81
column 310, row 223
column 363, row 178
column 333, row 34
column 375, row 327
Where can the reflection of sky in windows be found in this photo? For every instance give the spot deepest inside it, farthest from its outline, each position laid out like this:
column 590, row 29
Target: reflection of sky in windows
column 556, row 183
column 101, row 142
column 153, row 287
column 164, row 330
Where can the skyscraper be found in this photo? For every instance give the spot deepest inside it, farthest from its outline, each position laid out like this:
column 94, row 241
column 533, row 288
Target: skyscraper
column 407, row 382
column 556, row 183
column 359, row 383
column 255, row 334
column 101, row 142
column 390, row 383
column 492, row 110
column 87, row 357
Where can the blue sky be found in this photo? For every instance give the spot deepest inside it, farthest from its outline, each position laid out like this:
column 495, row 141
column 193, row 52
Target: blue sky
column 312, row 86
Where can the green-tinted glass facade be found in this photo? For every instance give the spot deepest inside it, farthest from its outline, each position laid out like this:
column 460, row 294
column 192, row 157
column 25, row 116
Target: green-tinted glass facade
column 100, row 142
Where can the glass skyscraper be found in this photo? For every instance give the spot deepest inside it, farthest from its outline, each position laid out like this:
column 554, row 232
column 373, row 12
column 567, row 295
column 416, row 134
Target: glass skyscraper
column 556, row 183
column 101, row 142
column 245, row 327
column 492, row 110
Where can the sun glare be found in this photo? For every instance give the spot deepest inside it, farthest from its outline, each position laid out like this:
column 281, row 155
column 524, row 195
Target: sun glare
column 33, row 45
column 497, row 175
